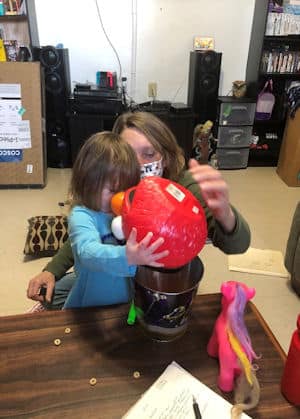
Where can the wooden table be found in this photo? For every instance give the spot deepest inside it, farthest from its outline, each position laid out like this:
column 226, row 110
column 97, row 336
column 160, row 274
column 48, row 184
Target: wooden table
column 41, row 380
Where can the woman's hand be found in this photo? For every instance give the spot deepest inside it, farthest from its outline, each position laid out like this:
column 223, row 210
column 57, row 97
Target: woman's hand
column 44, row 279
column 142, row 253
column 215, row 192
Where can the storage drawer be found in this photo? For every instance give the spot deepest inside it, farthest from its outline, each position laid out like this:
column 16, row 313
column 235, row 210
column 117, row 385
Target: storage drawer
column 232, row 158
column 234, row 136
column 237, row 113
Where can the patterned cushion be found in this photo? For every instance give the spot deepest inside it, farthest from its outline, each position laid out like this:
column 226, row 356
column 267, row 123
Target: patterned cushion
column 46, row 235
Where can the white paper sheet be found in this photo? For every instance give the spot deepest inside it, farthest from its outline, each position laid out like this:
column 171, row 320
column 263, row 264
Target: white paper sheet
column 171, row 397
column 8, row 90
column 10, row 110
column 259, row 261
column 15, row 135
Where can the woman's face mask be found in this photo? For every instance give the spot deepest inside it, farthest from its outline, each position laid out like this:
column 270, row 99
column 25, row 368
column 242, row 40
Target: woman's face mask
column 145, row 152
column 154, row 168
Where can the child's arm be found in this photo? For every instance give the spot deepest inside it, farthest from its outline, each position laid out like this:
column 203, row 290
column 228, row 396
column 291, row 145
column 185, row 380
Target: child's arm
column 94, row 255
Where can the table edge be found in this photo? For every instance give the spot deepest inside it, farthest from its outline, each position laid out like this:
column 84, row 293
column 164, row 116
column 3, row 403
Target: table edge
column 268, row 331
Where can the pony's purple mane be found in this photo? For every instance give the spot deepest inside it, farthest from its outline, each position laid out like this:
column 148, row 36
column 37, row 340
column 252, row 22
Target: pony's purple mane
column 236, row 321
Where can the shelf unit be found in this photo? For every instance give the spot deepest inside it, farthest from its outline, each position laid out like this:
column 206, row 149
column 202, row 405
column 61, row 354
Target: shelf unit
column 235, row 120
column 22, row 28
column 270, row 132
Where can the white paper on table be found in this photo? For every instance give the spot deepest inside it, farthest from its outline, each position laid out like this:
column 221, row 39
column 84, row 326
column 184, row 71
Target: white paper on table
column 171, row 397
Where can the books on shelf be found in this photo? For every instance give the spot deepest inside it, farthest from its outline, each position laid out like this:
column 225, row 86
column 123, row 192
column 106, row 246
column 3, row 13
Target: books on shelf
column 280, row 60
column 282, row 24
column 11, row 7
column 2, row 51
column 11, row 49
column 14, row 7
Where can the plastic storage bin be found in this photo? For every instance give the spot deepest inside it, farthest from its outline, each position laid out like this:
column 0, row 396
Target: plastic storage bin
column 236, row 158
column 239, row 136
column 237, row 113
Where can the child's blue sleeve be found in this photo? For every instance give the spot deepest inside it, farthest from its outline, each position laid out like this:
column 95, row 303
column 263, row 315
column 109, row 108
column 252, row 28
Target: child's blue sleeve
column 86, row 228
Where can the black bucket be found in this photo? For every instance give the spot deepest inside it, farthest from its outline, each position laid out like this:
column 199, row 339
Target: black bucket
column 163, row 298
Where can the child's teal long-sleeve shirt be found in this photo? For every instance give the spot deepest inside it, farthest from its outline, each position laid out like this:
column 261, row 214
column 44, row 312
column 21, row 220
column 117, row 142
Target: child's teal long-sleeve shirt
column 101, row 265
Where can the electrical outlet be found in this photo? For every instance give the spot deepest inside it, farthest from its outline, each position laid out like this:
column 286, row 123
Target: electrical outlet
column 152, row 89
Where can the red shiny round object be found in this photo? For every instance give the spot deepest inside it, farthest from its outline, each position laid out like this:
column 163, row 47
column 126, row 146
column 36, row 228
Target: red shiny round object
column 290, row 381
column 168, row 210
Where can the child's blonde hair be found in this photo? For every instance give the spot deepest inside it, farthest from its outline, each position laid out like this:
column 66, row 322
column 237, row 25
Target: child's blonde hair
column 104, row 159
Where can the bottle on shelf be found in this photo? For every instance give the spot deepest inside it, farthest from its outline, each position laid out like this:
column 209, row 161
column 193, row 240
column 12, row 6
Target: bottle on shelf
column 290, row 382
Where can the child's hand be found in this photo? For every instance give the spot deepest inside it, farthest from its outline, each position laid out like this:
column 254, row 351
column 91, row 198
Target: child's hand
column 142, row 253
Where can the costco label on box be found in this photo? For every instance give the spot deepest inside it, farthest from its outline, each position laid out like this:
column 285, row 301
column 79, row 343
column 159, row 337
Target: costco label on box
column 11, row 155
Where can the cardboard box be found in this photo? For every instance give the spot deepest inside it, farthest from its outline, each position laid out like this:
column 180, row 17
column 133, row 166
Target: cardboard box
column 22, row 126
column 288, row 167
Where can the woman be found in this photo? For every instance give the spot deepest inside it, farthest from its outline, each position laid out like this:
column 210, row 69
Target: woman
column 158, row 154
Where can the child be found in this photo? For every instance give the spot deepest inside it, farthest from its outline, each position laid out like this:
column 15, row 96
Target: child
column 105, row 165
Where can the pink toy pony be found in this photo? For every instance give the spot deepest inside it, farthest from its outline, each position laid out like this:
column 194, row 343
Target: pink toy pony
column 230, row 342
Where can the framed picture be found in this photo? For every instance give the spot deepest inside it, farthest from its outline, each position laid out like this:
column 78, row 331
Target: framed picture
column 203, row 43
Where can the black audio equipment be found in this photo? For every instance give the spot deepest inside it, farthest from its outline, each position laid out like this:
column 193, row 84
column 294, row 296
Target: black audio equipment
column 108, row 106
column 180, row 108
column 90, row 92
column 56, row 68
column 155, row 106
column 203, row 86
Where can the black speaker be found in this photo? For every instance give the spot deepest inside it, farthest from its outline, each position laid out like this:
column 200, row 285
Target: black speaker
column 55, row 63
column 203, row 86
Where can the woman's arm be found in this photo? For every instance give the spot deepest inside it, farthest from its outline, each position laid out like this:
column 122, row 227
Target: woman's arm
column 61, row 262
column 227, row 229
column 53, row 271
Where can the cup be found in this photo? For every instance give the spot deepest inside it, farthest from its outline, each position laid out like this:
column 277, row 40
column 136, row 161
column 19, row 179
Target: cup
column 163, row 298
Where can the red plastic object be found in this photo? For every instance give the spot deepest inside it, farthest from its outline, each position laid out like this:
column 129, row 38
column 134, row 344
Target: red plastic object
column 290, row 383
column 170, row 211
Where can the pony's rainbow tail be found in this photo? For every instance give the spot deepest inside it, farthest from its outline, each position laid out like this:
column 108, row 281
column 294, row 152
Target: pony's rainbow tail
column 240, row 353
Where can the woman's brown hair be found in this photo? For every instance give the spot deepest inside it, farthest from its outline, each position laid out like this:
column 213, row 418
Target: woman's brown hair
column 104, row 159
column 159, row 135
